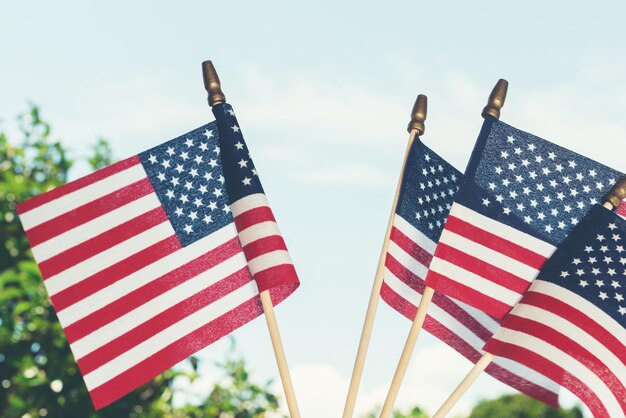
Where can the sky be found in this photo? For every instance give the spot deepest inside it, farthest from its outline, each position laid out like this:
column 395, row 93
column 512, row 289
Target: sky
column 323, row 92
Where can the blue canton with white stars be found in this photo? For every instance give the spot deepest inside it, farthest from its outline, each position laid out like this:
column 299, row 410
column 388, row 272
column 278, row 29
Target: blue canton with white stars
column 591, row 262
column 428, row 188
column 543, row 188
column 188, row 178
column 241, row 175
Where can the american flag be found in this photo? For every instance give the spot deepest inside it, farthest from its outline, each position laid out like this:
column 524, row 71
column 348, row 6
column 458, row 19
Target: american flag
column 521, row 196
column 570, row 324
column 428, row 188
column 155, row 257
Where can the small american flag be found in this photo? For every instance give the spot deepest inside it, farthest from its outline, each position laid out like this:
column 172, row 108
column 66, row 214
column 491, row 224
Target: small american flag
column 428, row 188
column 521, row 196
column 153, row 258
column 570, row 324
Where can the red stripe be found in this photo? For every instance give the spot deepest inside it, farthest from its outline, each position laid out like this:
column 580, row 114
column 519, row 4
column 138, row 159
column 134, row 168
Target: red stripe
column 570, row 347
column 87, row 212
column 550, row 370
column 463, row 347
column 139, row 374
column 264, row 246
column 253, row 216
column 481, row 268
column 126, row 303
column 411, row 247
column 281, row 280
column 575, row 316
column 444, row 302
column 113, row 273
column 495, row 242
column 471, row 296
column 102, row 242
column 77, row 184
column 163, row 320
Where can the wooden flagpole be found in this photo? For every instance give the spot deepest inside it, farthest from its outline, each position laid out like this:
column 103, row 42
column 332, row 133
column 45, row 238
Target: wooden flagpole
column 495, row 103
column 611, row 201
column 216, row 96
column 416, row 127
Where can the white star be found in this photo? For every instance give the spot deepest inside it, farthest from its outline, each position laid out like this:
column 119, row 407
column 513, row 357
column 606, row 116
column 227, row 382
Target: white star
column 193, row 172
column 559, row 168
column 204, row 146
column 586, row 189
column 239, row 145
column 189, row 142
column 611, row 272
column 169, row 194
column 518, row 151
column 179, row 211
column 198, row 159
column 166, row 163
column 592, row 173
column 588, row 249
column 608, row 260
column 622, row 310
column 619, row 248
column 188, row 185
column 513, row 194
column 231, row 112
column 217, row 150
column 243, row 163
column 235, row 128
column 541, row 216
column 512, row 166
column 506, row 211
column 534, row 203
column 198, row 202
column 212, row 205
column 506, row 182
column 418, row 216
column 174, row 181
column 592, row 260
column 193, row 215
column 510, row 139
column 213, row 163
column 525, row 162
column 595, row 271
column 619, row 297
column 554, row 212
column 188, row 229
column 217, row 192
column 615, row 284
column 576, row 261
column 207, row 219
column 540, row 187
column 202, row 189
column 572, row 164
column 221, row 179
column 179, row 168
column 616, row 237
column 152, row 159
column 538, row 159
column 604, row 248
column 580, row 272
column 612, row 226
column 528, row 220
column 567, row 208
column 552, row 156
column 226, row 209
column 546, row 171
column 600, row 237
column 603, row 295
column 561, row 225
column 504, row 154
column 531, row 147
column 521, row 207
column 170, row 151
column 161, row 176
column 184, row 155
column 208, row 134
column 246, row 181
column 183, row 198
column 499, row 198
column 208, row 176
column 498, row 170
column 599, row 283
column 547, row 199
column 564, row 274
column 583, row 283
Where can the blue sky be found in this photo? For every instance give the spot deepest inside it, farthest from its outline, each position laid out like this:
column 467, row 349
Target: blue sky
column 323, row 91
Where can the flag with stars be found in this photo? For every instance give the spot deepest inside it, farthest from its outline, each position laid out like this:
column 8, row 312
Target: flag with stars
column 521, row 196
column 570, row 324
column 157, row 256
column 428, row 187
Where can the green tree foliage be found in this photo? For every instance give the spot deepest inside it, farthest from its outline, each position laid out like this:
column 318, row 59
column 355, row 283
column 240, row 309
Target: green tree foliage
column 520, row 406
column 38, row 374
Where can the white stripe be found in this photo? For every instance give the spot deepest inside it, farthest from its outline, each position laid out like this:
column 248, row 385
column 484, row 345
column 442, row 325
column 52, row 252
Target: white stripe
column 414, row 234
column 407, row 261
column 581, row 304
column 107, row 258
column 95, row 227
column 268, row 260
column 169, row 335
column 157, row 305
column 466, row 334
column 493, row 257
column 82, row 196
column 587, row 341
column 145, row 275
column 249, row 202
column 570, row 364
column 258, row 231
column 507, row 232
column 480, row 284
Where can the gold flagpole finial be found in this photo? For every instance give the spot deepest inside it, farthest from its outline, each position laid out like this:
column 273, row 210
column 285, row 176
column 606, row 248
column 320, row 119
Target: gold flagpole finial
column 496, row 99
column 617, row 193
column 418, row 114
column 212, row 84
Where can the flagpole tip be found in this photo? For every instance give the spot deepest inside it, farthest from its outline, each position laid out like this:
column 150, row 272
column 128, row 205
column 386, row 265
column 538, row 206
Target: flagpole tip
column 617, row 193
column 418, row 115
column 496, row 99
column 212, row 84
